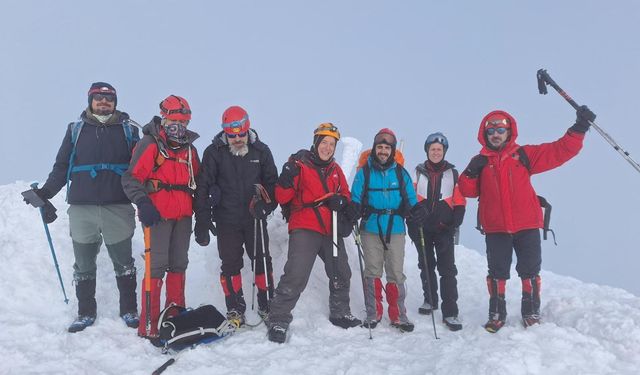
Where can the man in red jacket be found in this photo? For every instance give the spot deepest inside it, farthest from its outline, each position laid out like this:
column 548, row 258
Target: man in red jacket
column 509, row 209
column 161, row 181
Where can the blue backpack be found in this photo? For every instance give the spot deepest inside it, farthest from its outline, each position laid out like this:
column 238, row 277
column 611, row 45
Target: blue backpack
column 93, row 169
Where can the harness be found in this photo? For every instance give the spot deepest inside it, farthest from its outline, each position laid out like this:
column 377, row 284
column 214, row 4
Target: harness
column 93, row 169
column 524, row 160
column 369, row 209
column 155, row 185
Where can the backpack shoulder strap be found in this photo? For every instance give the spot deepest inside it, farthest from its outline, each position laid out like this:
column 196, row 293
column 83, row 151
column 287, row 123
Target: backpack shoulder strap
column 129, row 135
column 366, row 173
column 524, row 159
column 401, row 183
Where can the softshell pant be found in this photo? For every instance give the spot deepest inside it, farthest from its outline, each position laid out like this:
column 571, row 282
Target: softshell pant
column 233, row 241
column 89, row 225
column 392, row 260
column 304, row 246
column 443, row 258
column 500, row 248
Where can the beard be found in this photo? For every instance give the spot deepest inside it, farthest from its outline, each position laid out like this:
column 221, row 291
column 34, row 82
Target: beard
column 239, row 150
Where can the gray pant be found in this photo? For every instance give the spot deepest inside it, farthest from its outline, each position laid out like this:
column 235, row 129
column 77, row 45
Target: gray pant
column 89, row 225
column 304, row 246
column 376, row 257
column 170, row 246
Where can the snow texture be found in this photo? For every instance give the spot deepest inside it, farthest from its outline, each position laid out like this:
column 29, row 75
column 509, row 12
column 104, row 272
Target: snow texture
column 587, row 329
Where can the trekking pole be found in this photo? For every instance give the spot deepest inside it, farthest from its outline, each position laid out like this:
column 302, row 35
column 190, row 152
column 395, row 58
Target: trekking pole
column 426, row 271
column 334, row 229
column 356, row 237
column 253, row 261
column 147, row 278
column 265, row 254
column 545, row 79
column 53, row 252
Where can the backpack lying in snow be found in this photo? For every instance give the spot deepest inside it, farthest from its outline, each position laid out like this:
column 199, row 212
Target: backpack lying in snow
column 180, row 328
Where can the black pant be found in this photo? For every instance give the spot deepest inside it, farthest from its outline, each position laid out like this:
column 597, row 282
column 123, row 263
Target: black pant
column 526, row 244
column 444, row 259
column 234, row 240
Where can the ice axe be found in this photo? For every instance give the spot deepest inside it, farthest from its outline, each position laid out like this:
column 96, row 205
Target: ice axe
column 545, row 79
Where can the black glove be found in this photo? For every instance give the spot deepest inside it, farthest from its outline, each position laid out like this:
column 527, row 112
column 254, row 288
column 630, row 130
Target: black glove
column 475, row 166
column 201, row 231
column 336, row 202
column 418, row 214
column 49, row 212
column 259, row 209
column 458, row 216
column 352, row 212
column 148, row 213
column 289, row 170
column 583, row 118
column 414, row 232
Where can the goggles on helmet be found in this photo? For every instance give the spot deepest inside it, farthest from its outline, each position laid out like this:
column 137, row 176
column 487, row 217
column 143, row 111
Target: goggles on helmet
column 234, row 126
column 327, row 128
column 503, row 121
column 437, row 138
column 492, row 131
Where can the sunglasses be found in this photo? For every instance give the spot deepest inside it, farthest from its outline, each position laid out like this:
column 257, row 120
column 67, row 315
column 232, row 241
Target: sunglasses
column 236, row 135
column 108, row 97
column 500, row 130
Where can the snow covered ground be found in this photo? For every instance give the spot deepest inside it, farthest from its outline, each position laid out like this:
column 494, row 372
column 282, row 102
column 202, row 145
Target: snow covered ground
column 587, row 329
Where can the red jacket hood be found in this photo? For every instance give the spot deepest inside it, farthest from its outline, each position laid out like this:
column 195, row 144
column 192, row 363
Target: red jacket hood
column 510, row 142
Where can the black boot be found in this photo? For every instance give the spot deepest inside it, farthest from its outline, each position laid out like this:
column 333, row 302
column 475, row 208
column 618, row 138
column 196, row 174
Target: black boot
column 87, row 307
column 128, row 300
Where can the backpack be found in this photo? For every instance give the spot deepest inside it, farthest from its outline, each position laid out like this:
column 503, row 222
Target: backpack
column 524, row 160
column 93, row 169
column 180, row 328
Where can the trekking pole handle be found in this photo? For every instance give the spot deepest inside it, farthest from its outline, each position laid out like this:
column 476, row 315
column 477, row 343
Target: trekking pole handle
column 545, row 79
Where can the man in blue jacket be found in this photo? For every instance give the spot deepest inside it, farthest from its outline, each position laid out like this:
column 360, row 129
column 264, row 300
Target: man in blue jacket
column 93, row 156
column 384, row 192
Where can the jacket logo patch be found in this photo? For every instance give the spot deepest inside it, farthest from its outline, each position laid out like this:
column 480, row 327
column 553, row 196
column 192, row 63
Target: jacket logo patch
column 254, row 161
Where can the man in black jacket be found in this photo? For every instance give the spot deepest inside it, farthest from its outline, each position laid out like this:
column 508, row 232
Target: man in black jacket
column 93, row 156
column 235, row 189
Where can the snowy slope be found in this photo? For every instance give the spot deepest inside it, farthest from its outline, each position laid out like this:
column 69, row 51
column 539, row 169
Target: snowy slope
column 588, row 329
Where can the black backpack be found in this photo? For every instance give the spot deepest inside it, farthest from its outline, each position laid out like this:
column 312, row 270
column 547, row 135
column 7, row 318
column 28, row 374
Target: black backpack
column 180, row 328
column 524, row 160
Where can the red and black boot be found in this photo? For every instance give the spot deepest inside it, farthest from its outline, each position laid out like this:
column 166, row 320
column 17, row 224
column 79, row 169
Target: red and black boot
column 530, row 307
column 175, row 289
column 497, row 304
column 234, row 298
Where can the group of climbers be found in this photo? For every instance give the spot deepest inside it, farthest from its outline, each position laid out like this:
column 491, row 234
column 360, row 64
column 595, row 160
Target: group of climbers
column 106, row 167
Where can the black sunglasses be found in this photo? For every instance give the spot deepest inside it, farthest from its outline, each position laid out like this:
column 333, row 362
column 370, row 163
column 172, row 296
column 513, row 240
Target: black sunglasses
column 108, row 97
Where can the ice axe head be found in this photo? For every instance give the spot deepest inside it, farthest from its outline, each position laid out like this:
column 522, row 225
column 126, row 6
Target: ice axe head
column 542, row 82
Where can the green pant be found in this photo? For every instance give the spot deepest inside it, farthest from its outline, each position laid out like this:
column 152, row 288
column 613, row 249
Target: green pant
column 90, row 225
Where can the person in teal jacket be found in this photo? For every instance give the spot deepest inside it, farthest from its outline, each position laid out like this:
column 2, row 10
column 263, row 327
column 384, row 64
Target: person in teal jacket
column 384, row 193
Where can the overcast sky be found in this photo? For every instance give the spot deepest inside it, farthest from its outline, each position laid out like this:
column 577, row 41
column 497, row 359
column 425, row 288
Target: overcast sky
column 414, row 66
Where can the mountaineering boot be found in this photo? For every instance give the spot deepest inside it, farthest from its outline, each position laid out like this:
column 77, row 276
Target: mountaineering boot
column 277, row 333
column 396, row 294
column 87, row 307
column 497, row 304
column 234, row 298
column 426, row 308
column 530, row 306
column 453, row 323
column 175, row 289
column 346, row 321
column 128, row 300
column 156, row 288
column 263, row 297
